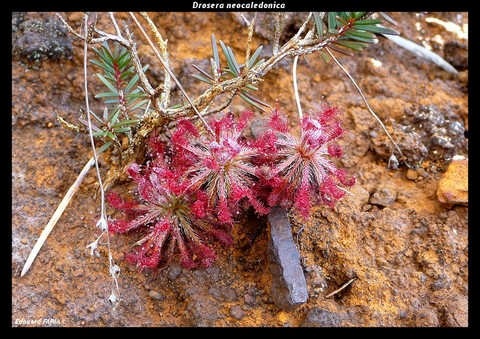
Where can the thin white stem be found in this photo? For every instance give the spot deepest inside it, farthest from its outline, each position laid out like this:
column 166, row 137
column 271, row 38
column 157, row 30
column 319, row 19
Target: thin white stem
column 117, row 29
column 295, row 88
column 102, row 223
column 56, row 215
column 92, row 141
column 341, row 288
column 364, row 100
column 245, row 19
column 346, row 191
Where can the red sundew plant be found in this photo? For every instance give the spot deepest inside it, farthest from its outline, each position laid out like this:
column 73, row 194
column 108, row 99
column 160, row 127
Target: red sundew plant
column 193, row 185
column 220, row 164
column 301, row 173
column 173, row 214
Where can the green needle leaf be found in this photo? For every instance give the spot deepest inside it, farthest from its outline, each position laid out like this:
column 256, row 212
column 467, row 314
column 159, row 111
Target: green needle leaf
column 202, row 78
column 95, row 116
column 332, row 23
column 107, row 51
column 138, row 105
column 134, row 80
column 340, row 49
column 104, row 147
column 98, row 63
column 231, row 66
column 256, row 100
column 357, row 46
column 215, row 51
column 388, row 18
column 357, row 15
column 100, row 134
column 368, row 22
column 205, row 74
column 377, row 29
column 342, row 21
column 132, row 83
column 318, row 25
column 85, row 122
column 106, row 95
column 362, row 36
column 251, row 102
column 254, row 57
column 123, row 60
column 114, row 118
column 111, row 101
column 111, row 135
column 102, row 55
column 107, row 83
column 135, row 95
column 324, row 56
column 234, row 61
column 122, row 129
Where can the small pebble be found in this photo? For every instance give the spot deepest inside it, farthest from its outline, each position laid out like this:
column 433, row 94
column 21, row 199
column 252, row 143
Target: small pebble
column 237, row 312
column 412, row 174
column 156, row 295
column 383, row 196
column 453, row 186
column 438, row 285
column 50, row 125
column 24, row 241
column 366, row 207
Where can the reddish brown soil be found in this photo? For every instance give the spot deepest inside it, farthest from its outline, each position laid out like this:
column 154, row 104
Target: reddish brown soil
column 409, row 257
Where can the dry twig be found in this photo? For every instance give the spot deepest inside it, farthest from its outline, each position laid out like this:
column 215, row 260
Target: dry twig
column 341, row 288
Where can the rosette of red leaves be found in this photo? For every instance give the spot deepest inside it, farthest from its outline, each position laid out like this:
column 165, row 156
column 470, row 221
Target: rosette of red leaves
column 172, row 213
column 220, row 164
column 302, row 174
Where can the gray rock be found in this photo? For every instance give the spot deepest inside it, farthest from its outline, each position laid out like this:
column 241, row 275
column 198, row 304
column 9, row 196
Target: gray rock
column 438, row 285
column 442, row 133
column 223, row 293
column 250, row 299
column 384, row 196
column 174, row 272
column 289, row 287
column 39, row 40
column 237, row 312
column 317, row 317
